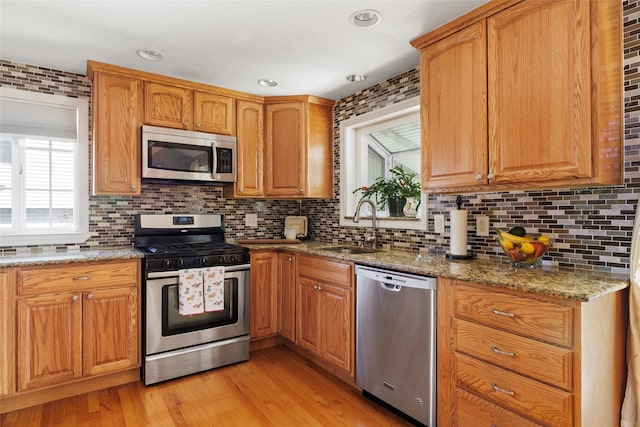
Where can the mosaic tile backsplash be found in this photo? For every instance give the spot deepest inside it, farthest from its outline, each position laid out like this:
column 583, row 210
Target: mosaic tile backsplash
column 590, row 227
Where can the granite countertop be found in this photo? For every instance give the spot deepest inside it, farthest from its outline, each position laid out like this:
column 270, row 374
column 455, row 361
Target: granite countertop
column 550, row 281
column 69, row 257
column 544, row 280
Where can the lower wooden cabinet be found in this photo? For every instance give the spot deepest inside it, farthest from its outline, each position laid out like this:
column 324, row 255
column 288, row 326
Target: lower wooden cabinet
column 287, row 295
column 325, row 310
column 263, row 306
column 511, row 358
column 74, row 323
column 6, row 335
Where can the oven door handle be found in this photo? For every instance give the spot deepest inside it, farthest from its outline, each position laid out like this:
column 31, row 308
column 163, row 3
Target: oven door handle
column 174, row 273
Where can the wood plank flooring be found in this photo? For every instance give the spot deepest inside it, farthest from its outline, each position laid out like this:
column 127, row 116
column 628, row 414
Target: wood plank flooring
column 276, row 387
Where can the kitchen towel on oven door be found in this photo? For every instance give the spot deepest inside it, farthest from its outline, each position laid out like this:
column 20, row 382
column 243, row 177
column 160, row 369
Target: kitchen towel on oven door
column 190, row 291
column 213, row 288
column 200, row 290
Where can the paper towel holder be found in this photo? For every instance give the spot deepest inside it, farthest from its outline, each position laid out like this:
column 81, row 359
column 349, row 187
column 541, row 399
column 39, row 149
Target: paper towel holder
column 459, row 257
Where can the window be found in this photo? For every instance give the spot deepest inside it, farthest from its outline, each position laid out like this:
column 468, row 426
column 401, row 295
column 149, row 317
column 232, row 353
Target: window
column 371, row 145
column 43, row 168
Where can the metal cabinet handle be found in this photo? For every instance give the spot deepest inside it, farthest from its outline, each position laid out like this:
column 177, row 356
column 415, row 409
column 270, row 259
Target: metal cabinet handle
column 90, row 296
column 74, row 298
column 502, row 352
column 82, row 278
column 185, row 124
column 319, row 288
column 241, row 191
column 315, row 287
column 290, row 259
column 502, row 313
column 197, row 125
column 490, row 176
column 134, row 187
column 478, row 177
column 302, row 190
column 502, row 390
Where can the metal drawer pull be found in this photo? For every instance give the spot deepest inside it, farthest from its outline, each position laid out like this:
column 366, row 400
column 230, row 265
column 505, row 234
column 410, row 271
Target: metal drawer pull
column 74, row 298
column 502, row 313
column 82, row 278
column 502, row 352
column 501, row 390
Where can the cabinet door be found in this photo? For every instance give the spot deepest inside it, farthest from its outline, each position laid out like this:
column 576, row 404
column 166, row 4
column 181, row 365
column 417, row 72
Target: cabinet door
column 308, row 315
column 286, row 149
column 264, row 277
column 336, row 325
column 250, row 150
column 287, row 296
column 454, row 110
column 110, row 330
column 117, row 116
column 7, row 326
column 214, row 113
column 540, row 92
column 168, row 106
column 49, row 347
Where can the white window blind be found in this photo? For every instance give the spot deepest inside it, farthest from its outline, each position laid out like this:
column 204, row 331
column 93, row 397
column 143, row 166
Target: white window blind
column 43, row 169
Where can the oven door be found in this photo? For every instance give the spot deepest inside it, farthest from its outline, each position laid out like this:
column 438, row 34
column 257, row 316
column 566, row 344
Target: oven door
column 166, row 329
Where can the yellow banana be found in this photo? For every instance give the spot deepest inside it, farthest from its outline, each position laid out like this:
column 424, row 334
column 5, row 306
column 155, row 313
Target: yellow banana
column 513, row 238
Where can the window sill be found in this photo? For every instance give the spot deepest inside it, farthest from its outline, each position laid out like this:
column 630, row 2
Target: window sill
column 43, row 239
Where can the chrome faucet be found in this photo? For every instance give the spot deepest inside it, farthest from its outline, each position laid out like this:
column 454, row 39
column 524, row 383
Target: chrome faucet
column 371, row 240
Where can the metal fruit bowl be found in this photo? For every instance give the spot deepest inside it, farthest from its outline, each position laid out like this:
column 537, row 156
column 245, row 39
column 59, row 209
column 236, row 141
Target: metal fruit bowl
column 523, row 251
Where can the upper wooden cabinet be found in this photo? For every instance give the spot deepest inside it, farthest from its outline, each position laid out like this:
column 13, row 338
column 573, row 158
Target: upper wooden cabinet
column 183, row 108
column 117, row 117
column 299, row 147
column 250, row 134
column 527, row 96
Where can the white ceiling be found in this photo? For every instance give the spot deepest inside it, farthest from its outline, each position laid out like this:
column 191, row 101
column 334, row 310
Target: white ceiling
column 309, row 47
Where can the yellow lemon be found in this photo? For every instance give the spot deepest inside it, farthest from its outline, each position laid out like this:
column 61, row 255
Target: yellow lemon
column 527, row 248
column 544, row 240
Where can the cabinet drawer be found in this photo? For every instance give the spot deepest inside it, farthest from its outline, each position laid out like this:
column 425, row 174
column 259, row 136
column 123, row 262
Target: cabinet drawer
column 475, row 411
column 525, row 316
column 71, row 277
column 326, row 270
column 545, row 404
column 536, row 359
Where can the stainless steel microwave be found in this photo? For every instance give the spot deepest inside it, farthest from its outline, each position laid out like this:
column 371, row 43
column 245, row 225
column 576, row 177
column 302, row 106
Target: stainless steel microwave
column 178, row 154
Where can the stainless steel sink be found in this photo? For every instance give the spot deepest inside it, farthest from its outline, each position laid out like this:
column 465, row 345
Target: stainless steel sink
column 354, row 250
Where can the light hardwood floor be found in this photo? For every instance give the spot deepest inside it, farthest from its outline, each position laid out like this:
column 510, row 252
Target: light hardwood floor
column 276, row 387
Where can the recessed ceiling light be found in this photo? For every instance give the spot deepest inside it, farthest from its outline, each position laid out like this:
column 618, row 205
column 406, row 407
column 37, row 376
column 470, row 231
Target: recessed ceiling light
column 267, row 82
column 149, row 54
column 356, row 77
column 365, row 18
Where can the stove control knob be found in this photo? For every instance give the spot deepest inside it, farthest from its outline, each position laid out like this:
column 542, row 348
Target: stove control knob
column 166, row 263
column 180, row 262
column 203, row 260
column 221, row 259
column 234, row 258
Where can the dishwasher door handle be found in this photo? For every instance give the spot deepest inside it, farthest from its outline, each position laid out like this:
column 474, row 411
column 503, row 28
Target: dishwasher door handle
column 390, row 287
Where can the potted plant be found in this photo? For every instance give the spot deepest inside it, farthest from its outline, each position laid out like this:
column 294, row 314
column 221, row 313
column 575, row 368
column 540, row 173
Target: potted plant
column 394, row 191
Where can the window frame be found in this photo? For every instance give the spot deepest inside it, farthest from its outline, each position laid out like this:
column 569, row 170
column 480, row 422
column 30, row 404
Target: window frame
column 348, row 156
column 81, row 233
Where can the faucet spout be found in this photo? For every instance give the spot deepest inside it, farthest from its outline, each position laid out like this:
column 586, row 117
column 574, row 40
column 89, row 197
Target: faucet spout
column 372, row 240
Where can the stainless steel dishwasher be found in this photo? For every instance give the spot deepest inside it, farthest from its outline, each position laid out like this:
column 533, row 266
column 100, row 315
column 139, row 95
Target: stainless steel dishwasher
column 396, row 340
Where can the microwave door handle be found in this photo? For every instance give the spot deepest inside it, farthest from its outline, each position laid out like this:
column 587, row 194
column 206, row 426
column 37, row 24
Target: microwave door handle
column 214, row 159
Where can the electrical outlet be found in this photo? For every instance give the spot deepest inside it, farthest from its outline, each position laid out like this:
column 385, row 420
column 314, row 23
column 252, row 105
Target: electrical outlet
column 251, row 220
column 482, row 225
column 438, row 223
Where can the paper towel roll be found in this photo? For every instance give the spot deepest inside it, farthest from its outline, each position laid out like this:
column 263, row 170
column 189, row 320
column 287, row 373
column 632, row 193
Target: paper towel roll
column 458, row 242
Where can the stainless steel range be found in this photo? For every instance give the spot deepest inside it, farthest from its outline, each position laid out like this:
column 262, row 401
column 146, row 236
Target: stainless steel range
column 176, row 345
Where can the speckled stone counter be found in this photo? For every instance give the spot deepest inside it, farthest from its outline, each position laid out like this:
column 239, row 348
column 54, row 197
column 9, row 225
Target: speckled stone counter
column 543, row 280
column 69, row 257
